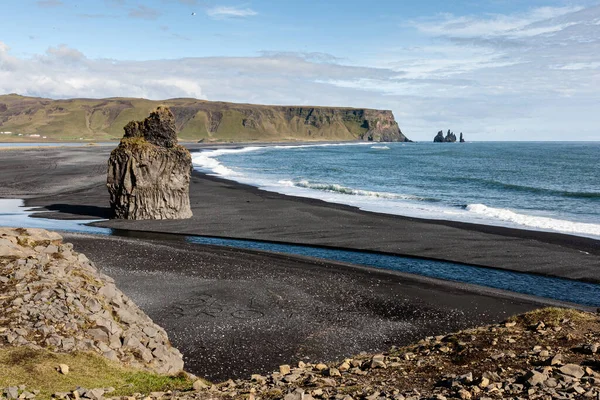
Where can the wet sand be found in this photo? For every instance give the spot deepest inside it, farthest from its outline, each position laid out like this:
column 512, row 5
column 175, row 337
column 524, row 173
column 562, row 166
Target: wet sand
column 233, row 312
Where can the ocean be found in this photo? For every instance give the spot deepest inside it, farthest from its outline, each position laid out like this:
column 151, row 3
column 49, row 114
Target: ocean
column 546, row 186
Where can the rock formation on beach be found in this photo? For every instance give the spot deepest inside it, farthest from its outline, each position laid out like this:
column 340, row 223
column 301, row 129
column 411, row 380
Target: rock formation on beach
column 449, row 138
column 54, row 298
column 149, row 173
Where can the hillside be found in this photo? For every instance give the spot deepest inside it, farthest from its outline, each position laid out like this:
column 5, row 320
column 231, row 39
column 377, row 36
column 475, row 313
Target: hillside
column 104, row 119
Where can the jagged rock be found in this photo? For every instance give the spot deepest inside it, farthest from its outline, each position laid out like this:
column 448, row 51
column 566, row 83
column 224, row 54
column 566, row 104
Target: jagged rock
column 572, row 370
column 149, row 173
column 69, row 306
column 378, row 361
column 284, row 369
column 534, row 378
column 462, row 139
column 63, row 369
column 449, row 138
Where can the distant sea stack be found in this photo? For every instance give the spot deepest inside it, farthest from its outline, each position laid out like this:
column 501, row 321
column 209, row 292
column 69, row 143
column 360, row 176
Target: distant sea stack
column 449, row 138
column 149, row 173
column 195, row 120
column 462, row 139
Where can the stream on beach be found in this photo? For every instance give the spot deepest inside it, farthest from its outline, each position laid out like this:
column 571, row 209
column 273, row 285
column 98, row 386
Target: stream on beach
column 14, row 214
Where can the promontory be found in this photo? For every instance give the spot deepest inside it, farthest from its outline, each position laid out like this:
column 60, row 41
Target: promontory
column 33, row 118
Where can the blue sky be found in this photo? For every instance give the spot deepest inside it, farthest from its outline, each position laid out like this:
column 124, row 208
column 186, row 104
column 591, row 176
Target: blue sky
column 495, row 70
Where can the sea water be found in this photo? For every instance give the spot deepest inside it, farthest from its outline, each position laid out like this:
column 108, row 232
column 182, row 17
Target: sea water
column 548, row 186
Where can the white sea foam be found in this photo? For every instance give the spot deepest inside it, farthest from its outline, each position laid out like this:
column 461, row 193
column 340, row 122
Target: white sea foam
column 336, row 188
column 380, row 147
column 207, row 160
column 536, row 222
column 385, row 202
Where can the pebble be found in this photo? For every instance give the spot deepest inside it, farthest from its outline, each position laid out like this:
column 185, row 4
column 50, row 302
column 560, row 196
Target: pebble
column 63, row 369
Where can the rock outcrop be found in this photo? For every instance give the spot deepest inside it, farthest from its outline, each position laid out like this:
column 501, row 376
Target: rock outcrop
column 54, row 298
column 149, row 173
column 196, row 120
column 462, row 139
column 449, row 138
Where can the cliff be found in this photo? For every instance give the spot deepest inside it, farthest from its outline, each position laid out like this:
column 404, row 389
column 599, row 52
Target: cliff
column 103, row 119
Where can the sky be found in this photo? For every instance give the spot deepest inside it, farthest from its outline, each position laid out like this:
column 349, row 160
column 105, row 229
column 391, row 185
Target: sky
column 492, row 69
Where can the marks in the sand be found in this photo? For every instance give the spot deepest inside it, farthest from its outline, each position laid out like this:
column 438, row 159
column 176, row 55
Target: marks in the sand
column 206, row 305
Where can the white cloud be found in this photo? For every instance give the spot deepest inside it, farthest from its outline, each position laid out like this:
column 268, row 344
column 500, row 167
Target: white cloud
column 526, row 81
column 578, row 66
column 492, row 25
column 222, row 12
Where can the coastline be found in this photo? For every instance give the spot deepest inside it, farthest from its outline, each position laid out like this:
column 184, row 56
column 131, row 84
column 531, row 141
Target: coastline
column 208, row 298
column 235, row 312
column 70, row 182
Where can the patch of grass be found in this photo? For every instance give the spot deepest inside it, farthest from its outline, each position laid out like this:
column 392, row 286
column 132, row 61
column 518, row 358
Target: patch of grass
column 38, row 370
column 552, row 316
column 196, row 128
column 133, row 142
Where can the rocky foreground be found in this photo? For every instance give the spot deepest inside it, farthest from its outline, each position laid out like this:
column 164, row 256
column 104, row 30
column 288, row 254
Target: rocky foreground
column 54, row 298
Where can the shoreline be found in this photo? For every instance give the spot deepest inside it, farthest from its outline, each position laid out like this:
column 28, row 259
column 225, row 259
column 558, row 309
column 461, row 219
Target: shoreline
column 519, row 244
column 585, row 243
column 235, row 312
column 70, row 182
column 212, row 167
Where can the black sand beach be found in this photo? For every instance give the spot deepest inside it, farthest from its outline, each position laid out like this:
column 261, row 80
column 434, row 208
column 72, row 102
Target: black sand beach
column 233, row 311
column 71, row 183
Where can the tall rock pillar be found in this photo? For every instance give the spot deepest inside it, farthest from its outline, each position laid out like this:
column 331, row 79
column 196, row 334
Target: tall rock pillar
column 149, row 173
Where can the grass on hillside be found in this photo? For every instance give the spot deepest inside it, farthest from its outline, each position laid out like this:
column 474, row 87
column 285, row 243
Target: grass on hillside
column 552, row 316
column 38, row 370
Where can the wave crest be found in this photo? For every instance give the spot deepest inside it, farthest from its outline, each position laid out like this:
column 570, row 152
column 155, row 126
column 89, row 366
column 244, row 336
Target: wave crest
column 336, row 188
column 537, row 222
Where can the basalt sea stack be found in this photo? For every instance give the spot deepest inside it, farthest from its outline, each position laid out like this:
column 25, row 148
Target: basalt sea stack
column 149, row 173
column 450, row 137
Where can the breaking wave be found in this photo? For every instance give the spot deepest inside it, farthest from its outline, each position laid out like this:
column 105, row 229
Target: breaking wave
column 335, row 188
column 536, row 222
column 207, row 160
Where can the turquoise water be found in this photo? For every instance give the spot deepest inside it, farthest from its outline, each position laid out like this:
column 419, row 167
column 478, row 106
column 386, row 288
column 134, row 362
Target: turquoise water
column 546, row 186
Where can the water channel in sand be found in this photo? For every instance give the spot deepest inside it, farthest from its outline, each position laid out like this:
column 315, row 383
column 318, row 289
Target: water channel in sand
column 14, row 214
